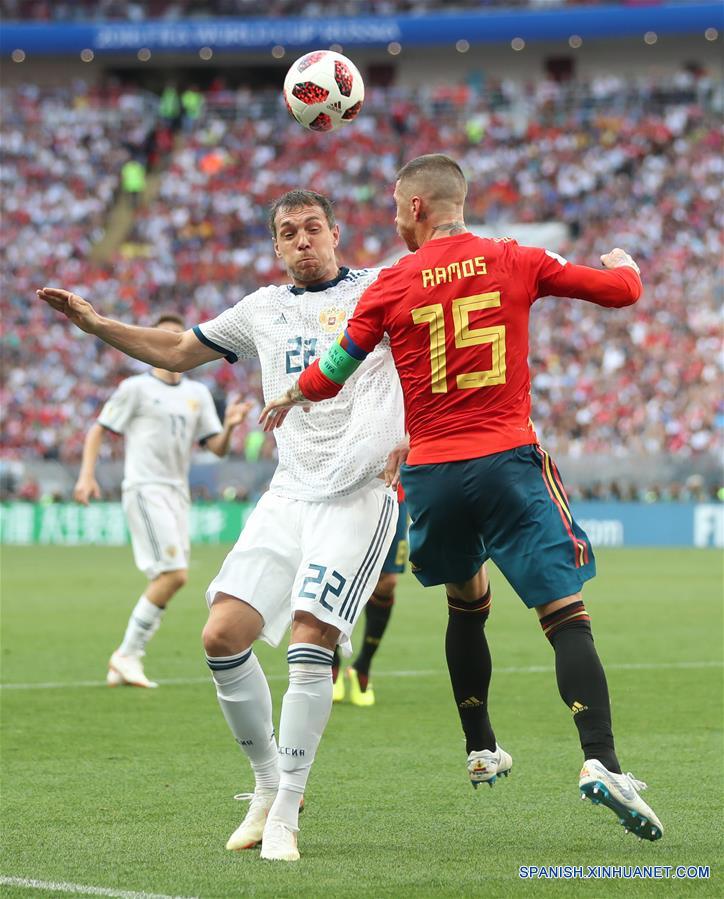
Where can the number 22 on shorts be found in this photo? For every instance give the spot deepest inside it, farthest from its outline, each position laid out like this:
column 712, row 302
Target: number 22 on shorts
column 316, row 579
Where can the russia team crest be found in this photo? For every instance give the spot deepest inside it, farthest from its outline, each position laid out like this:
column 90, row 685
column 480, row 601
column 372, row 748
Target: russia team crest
column 332, row 319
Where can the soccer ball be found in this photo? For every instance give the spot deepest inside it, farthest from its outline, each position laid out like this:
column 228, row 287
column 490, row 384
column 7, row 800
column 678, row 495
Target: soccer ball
column 323, row 90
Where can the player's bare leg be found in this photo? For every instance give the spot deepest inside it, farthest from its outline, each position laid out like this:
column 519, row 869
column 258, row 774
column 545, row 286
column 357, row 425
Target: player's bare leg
column 470, row 667
column 338, row 688
column 582, row 686
column 245, row 700
column 161, row 590
column 305, row 712
column 125, row 666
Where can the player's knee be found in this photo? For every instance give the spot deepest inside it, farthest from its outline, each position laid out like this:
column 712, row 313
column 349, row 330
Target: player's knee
column 218, row 641
column 564, row 617
column 384, row 592
column 211, row 637
column 306, row 628
column 472, row 590
column 478, row 608
column 170, row 582
column 178, row 578
column 232, row 626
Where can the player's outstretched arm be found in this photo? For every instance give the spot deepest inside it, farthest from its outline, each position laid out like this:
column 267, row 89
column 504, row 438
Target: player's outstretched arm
column 86, row 487
column 156, row 346
column 618, row 285
column 235, row 413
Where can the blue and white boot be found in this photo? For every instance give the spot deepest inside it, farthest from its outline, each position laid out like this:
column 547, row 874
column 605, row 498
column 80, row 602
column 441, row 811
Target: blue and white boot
column 620, row 793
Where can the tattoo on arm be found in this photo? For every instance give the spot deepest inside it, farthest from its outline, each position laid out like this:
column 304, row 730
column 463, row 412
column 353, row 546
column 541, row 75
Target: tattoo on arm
column 451, row 228
column 295, row 394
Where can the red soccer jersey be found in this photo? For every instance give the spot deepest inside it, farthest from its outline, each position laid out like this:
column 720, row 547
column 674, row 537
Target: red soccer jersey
column 457, row 313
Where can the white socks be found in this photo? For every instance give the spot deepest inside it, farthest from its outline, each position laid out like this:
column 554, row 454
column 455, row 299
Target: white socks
column 142, row 625
column 305, row 712
column 245, row 700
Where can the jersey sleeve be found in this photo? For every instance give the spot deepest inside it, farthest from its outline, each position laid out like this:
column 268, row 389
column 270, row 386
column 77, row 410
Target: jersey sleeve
column 551, row 275
column 325, row 377
column 231, row 333
column 120, row 408
column 316, row 386
column 366, row 328
column 208, row 422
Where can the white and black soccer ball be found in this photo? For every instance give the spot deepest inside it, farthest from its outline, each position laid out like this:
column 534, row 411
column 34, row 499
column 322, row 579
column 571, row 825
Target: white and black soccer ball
column 323, row 90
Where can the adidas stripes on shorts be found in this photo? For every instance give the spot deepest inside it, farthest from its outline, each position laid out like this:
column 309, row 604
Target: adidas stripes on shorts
column 158, row 521
column 324, row 558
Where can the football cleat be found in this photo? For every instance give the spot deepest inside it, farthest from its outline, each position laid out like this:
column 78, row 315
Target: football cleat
column 128, row 671
column 620, row 793
column 485, row 766
column 279, row 842
column 249, row 833
column 358, row 696
column 338, row 690
column 114, row 679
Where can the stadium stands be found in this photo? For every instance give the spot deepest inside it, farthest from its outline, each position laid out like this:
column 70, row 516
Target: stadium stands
column 637, row 165
column 172, row 10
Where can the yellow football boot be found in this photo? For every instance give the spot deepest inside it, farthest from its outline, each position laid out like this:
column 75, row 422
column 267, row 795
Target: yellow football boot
column 358, row 696
column 338, row 690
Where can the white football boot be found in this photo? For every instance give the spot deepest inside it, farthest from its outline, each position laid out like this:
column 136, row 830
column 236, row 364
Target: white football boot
column 127, row 670
column 620, row 793
column 279, row 842
column 485, row 766
column 249, row 833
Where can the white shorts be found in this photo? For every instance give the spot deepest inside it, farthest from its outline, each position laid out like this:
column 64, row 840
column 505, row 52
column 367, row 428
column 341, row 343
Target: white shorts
column 158, row 519
column 323, row 558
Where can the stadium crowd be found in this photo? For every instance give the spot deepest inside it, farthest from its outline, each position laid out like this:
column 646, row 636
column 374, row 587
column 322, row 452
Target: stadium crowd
column 631, row 165
column 173, row 10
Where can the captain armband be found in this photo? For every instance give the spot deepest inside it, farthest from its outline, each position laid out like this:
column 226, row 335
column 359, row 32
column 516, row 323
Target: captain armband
column 342, row 359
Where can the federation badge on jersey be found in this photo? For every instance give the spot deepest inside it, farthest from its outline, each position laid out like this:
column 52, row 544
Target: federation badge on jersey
column 332, row 319
column 193, row 405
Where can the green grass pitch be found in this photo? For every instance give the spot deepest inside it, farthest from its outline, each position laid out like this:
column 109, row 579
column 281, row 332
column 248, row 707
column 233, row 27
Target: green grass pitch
column 132, row 790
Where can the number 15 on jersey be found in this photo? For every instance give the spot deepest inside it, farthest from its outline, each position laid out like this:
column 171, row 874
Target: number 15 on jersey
column 433, row 316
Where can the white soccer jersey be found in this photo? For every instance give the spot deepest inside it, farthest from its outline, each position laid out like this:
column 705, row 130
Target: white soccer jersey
column 342, row 443
column 161, row 423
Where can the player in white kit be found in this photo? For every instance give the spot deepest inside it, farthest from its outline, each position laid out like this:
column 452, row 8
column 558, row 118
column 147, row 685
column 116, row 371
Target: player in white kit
column 312, row 550
column 161, row 416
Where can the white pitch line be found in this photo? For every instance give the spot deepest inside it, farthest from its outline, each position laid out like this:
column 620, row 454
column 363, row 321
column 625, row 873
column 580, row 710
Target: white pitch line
column 379, row 674
column 79, row 888
column 73, row 685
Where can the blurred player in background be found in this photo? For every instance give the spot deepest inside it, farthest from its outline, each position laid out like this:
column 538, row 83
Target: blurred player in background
column 161, row 415
column 313, row 547
column 377, row 616
column 477, row 483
